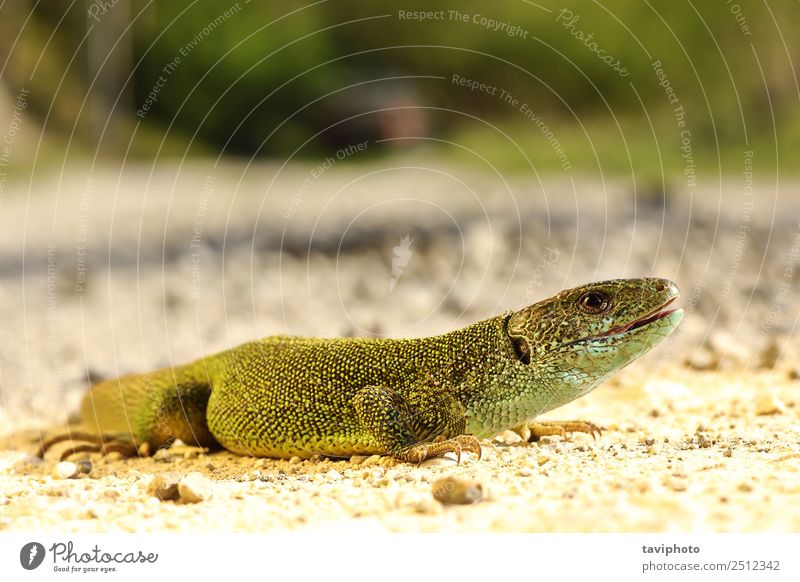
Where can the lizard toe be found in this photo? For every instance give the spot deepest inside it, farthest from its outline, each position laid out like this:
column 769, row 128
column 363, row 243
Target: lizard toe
column 562, row 428
column 420, row 452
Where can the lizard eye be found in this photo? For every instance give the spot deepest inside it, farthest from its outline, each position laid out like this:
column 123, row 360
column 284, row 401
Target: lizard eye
column 594, row 302
column 521, row 350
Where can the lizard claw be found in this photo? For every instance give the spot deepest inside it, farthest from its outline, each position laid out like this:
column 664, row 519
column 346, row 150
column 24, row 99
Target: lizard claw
column 471, row 444
column 438, row 447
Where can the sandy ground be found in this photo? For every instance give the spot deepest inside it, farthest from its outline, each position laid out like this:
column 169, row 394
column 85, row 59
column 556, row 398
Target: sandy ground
column 103, row 273
column 692, row 452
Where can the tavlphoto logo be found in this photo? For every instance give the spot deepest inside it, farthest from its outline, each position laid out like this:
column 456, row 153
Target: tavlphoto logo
column 31, row 555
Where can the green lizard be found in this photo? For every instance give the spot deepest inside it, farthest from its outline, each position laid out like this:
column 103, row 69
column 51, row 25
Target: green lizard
column 286, row 396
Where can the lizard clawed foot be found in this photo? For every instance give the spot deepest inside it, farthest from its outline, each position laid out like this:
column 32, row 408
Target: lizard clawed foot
column 96, row 443
column 422, row 451
column 533, row 432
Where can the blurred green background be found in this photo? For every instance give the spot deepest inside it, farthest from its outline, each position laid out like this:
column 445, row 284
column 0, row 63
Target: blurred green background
column 280, row 80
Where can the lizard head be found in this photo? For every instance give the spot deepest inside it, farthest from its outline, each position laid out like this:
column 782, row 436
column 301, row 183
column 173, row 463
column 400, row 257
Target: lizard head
column 582, row 336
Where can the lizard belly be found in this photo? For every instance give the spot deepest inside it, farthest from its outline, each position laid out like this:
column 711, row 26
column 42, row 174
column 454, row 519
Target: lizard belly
column 270, row 402
column 299, row 422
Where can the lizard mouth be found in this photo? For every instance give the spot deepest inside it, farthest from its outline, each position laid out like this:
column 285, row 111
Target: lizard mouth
column 659, row 313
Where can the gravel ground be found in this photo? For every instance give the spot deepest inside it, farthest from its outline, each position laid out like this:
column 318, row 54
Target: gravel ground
column 105, row 273
column 671, row 458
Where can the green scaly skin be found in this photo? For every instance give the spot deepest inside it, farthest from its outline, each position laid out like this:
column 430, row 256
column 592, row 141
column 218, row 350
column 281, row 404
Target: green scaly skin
column 411, row 398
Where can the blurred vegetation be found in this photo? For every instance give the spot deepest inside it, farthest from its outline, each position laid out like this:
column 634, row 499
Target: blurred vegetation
column 289, row 79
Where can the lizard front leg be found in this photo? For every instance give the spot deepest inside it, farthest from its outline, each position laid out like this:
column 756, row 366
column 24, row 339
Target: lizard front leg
column 415, row 427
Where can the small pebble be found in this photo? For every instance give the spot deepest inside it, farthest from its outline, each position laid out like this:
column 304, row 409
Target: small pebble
column 456, row 491
column 373, row 460
column 358, row 459
column 438, row 462
column 144, row 449
column 163, row 456
column 97, row 511
column 85, row 466
column 295, row 460
column 110, row 494
column 24, row 464
column 677, row 485
column 65, row 470
column 767, row 403
column 165, row 486
column 57, row 490
column 427, row 506
column 704, row 441
column 407, row 498
column 770, row 355
column 703, row 359
column 194, row 488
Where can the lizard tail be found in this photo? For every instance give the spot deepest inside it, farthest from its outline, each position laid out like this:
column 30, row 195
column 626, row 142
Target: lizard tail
column 156, row 407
